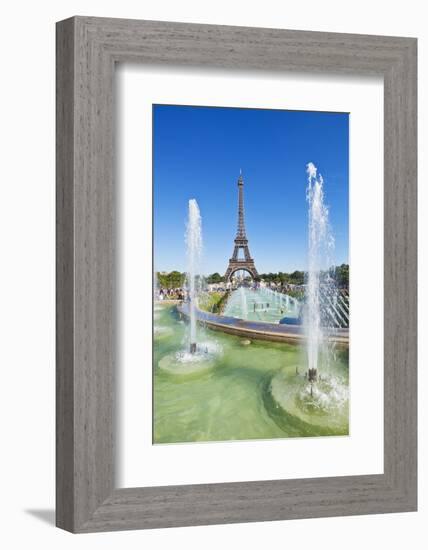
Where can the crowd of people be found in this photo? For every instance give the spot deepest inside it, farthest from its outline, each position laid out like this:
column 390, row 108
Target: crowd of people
column 180, row 293
column 171, row 294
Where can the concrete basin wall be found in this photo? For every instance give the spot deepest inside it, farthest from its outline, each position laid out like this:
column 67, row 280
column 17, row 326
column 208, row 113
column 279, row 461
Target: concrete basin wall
column 258, row 330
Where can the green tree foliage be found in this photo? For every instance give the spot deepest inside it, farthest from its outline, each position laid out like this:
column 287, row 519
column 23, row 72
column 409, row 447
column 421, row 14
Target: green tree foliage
column 174, row 279
column 214, row 278
column 297, row 277
column 280, row 278
column 340, row 274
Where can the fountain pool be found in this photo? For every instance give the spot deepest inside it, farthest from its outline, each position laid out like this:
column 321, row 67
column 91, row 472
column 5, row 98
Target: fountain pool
column 261, row 304
column 236, row 397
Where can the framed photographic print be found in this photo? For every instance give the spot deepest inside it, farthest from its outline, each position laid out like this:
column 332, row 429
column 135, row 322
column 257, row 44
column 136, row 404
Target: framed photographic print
column 236, row 274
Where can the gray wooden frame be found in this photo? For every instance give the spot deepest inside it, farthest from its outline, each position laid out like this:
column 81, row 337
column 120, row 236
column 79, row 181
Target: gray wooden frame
column 87, row 50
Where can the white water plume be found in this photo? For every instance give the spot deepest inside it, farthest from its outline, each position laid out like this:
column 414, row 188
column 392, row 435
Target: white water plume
column 320, row 244
column 194, row 252
column 244, row 307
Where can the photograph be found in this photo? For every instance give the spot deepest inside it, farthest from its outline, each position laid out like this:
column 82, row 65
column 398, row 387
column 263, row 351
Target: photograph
column 211, row 259
column 251, row 297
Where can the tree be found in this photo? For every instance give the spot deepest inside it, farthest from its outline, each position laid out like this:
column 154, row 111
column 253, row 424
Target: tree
column 214, row 278
column 341, row 275
column 174, row 279
column 297, row 277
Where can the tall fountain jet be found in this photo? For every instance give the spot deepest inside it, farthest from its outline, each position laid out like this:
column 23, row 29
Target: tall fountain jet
column 318, row 243
column 244, row 307
column 194, row 251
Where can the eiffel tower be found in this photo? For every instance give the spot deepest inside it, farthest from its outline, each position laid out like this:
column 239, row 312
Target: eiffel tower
column 241, row 242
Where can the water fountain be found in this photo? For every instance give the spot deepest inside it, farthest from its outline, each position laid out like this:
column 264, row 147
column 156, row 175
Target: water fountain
column 261, row 304
column 197, row 356
column 318, row 241
column 323, row 394
column 193, row 252
column 244, row 308
column 329, row 391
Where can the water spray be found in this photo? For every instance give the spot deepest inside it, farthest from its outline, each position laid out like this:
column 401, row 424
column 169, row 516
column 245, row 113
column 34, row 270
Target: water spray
column 194, row 250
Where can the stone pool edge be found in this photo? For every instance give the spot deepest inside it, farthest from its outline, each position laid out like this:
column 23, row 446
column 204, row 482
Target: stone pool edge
column 265, row 331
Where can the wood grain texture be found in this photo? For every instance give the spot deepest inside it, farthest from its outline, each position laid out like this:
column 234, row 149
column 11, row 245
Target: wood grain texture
column 87, row 50
column 64, row 276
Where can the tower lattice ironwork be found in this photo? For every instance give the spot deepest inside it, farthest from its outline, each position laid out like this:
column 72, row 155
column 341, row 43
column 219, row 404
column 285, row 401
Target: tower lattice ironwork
column 241, row 242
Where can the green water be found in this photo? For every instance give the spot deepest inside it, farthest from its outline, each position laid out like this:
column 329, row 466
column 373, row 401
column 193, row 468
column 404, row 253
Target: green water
column 240, row 391
column 260, row 305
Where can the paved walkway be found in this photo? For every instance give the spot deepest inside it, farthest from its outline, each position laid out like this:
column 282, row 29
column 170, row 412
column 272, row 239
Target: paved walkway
column 259, row 330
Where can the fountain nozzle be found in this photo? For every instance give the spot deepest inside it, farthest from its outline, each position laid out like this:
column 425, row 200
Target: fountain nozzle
column 312, row 375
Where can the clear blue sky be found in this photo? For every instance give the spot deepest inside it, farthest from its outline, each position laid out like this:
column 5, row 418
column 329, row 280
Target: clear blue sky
column 198, row 152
